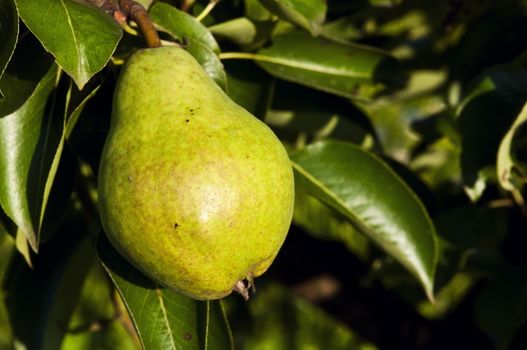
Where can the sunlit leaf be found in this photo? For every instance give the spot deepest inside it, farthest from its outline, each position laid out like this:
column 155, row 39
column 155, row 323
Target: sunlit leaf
column 240, row 31
column 81, row 37
column 351, row 71
column 394, row 120
column 32, row 147
column 308, row 14
column 256, row 11
column 20, row 138
column 365, row 190
column 510, row 175
column 182, row 26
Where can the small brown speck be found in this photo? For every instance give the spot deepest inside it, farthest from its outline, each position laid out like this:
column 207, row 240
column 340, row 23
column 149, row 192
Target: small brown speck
column 187, row 336
column 186, row 120
column 176, row 225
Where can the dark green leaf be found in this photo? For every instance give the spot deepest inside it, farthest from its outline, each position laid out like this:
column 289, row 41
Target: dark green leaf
column 468, row 237
column 300, row 115
column 25, row 70
column 8, row 33
column 329, row 225
column 41, row 300
column 307, row 14
column 22, row 133
column 81, row 37
column 365, row 190
column 209, row 61
column 501, row 307
column 249, row 86
column 165, row 319
column 346, row 70
column 197, row 38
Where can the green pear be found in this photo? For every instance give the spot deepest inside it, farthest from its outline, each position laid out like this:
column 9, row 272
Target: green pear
column 194, row 191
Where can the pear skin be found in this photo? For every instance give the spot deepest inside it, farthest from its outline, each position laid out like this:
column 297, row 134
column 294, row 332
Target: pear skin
column 194, row 191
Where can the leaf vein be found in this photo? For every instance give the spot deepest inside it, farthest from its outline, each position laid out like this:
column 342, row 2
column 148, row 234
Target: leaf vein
column 165, row 316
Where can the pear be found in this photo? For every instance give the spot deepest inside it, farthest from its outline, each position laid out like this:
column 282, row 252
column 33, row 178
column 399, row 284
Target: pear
column 194, row 191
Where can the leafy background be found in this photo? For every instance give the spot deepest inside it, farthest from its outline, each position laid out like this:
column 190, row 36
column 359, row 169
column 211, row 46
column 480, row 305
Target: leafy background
column 405, row 122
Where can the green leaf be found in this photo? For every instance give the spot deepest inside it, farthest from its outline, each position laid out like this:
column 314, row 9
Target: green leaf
column 182, row 26
column 240, row 31
column 163, row 318
column 510, row 175
column 41, row 300
column 8, row 33
column 25, row 71
column 197, row 38
column 209, row 61
column 307, row 14
column 394, row 120
column 351, row 71
column 20, row 138
column 365, row 190
column 249, row 86
column 32, row 149
column 81, row 37
column 256, row 11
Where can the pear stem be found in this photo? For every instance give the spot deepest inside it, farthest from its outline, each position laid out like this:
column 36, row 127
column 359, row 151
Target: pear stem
column 120, row 10
column 139, row 15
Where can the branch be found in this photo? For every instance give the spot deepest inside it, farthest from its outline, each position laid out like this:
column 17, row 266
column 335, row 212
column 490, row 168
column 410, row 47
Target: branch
column 139, row 15
column 120, row 10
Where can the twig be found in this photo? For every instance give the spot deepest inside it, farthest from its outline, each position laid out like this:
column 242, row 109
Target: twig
column 207, row 9
column 120, row 10
column 139, row 15
column 186, row 5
